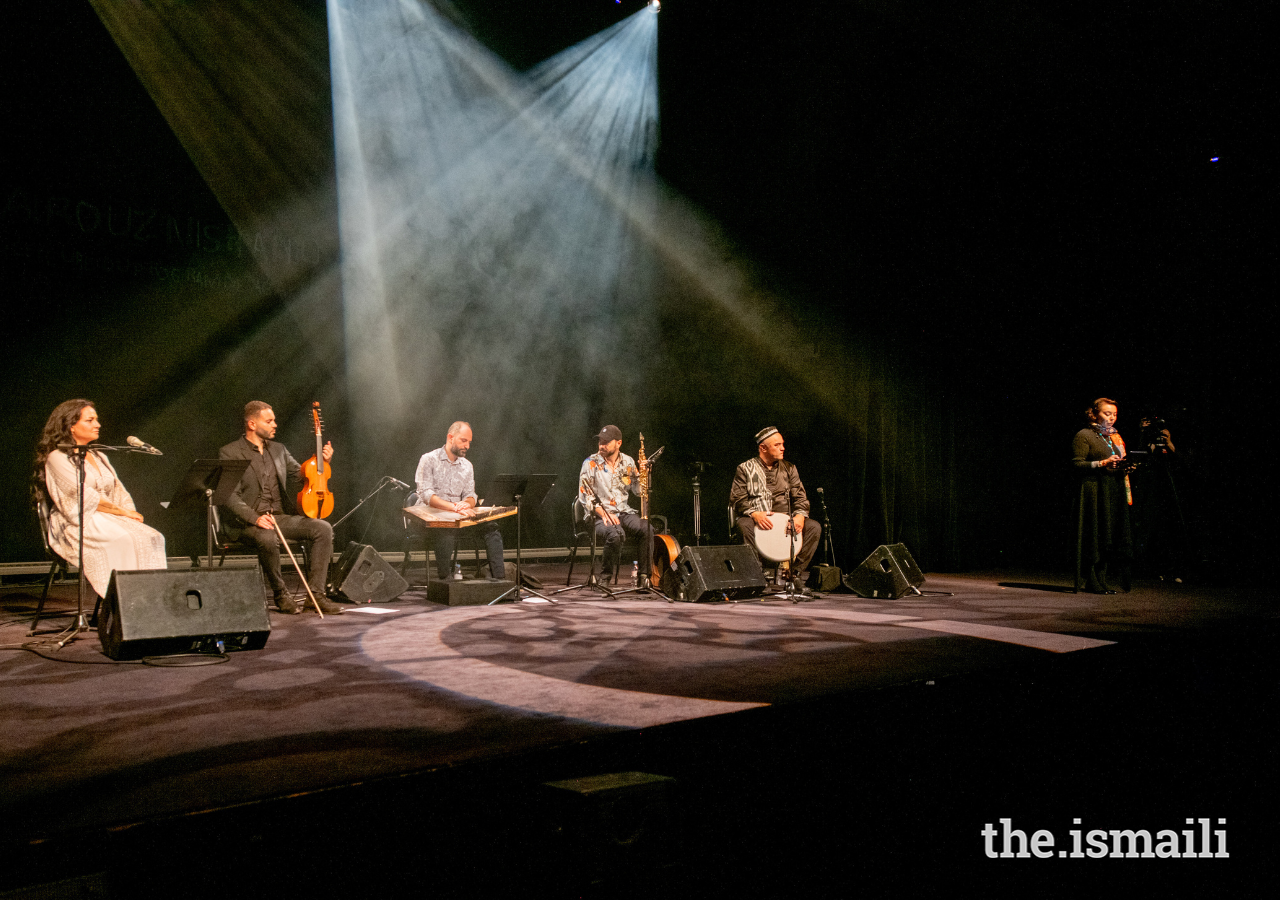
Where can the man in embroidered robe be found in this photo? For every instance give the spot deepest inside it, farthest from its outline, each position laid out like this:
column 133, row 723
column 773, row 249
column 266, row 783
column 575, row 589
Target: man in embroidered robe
column 767, row 484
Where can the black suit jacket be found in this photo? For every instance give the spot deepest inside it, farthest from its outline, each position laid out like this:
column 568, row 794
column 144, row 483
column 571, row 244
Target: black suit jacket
column 239, row 511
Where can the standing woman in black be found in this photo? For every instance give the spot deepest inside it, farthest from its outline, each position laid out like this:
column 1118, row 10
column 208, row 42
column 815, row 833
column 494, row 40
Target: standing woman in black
column 1104, row 543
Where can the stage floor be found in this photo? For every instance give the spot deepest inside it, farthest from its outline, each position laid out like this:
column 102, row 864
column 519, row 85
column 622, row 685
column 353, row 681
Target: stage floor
column 398, row 693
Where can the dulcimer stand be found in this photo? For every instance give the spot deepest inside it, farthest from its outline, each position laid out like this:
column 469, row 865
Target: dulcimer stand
column 520, row 488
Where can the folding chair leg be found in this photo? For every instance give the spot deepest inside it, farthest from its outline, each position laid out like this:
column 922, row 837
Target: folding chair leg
column 573, row 558
column 44, row 595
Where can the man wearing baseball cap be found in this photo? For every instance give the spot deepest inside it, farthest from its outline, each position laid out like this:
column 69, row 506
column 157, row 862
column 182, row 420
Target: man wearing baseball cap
column 607, row 477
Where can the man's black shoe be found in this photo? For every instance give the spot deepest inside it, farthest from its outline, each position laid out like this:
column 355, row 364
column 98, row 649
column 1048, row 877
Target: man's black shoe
column 328, row 607
column 286, row 604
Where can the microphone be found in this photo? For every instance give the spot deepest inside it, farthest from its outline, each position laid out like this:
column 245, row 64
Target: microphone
column 137, row 444
column 398, row 483
column 656, row 454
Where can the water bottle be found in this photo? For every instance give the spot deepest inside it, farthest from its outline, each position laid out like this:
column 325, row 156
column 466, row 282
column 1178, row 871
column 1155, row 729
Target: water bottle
column 457, row 571
column 635, row 573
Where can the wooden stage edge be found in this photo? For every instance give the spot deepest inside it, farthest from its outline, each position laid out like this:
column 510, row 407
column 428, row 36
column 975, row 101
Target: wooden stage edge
column 393, row 557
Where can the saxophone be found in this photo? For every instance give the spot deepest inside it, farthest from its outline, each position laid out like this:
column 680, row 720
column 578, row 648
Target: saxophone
column 643, row 477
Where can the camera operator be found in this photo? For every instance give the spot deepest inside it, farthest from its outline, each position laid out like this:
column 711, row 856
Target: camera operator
column 1160, row 531
column 1155, row 434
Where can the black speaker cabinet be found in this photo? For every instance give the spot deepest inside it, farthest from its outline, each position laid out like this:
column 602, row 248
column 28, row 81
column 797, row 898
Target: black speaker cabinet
column 153, row 612
column 361, row 575
column 715, row 573
column 611, row 833
column 824, row 579
column 887, row 574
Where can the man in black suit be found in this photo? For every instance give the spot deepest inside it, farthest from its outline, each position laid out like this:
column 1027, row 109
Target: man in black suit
column 263, row 500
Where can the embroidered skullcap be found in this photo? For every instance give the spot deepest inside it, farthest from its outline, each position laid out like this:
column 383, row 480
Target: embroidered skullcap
column 764, row 434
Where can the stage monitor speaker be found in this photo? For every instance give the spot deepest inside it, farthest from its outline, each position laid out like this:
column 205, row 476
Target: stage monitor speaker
column 154, row 612
column 887, row 574
column 715, row 573
column 361, row 575
column 824, row 579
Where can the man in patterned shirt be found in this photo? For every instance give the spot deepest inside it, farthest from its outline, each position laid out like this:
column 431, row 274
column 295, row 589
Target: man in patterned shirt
column 605, row 481
column 447, row 481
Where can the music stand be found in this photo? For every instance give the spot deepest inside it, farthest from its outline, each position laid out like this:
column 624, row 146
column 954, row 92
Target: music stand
column 213, row 481
column 517, row 489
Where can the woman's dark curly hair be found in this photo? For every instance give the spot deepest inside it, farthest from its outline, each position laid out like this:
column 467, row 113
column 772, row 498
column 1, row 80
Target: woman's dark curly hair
column 56, row 431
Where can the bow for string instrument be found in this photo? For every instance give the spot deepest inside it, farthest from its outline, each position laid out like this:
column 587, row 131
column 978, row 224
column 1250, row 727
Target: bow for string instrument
column 665, row 548
column 314, row 500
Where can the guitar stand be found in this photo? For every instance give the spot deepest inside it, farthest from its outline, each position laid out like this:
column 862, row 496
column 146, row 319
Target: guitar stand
column 644, row 582
column 645, row 586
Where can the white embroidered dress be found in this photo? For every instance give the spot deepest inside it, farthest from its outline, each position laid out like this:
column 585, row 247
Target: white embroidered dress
column 110, row 542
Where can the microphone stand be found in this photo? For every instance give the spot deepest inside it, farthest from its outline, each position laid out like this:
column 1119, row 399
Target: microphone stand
column 386, row 482
column 828, row 553
column 78, row 452
column 791, row 593
column 698, row 468
column 592, row 582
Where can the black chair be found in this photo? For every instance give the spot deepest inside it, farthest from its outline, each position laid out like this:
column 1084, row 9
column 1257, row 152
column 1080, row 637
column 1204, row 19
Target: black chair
column 584, row 529
column 57, row 564
column 224, row 544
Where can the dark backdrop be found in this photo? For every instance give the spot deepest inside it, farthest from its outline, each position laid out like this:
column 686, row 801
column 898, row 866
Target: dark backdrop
column 978, row 217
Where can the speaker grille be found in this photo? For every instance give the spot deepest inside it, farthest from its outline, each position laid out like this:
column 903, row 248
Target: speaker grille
column 149, row 612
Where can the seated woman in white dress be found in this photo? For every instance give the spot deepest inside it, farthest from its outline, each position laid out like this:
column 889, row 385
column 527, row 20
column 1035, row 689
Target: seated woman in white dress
column 114, row 536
